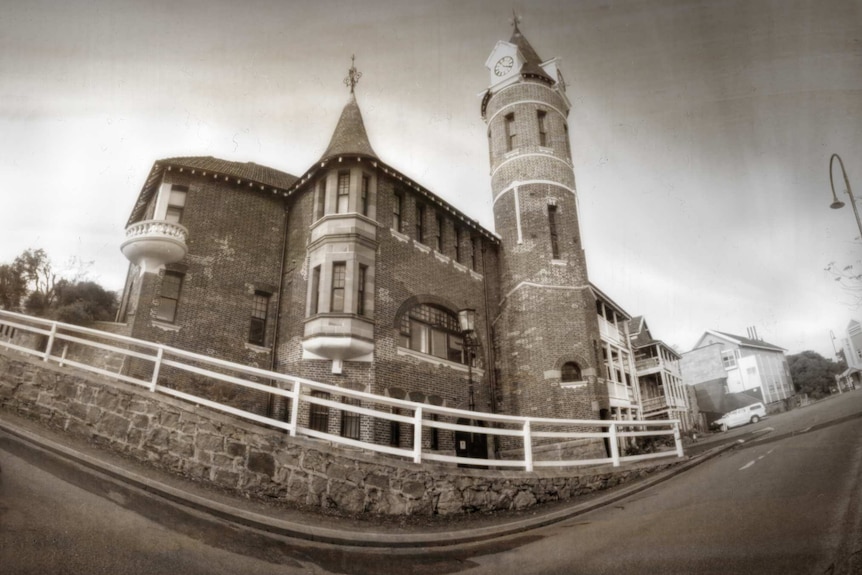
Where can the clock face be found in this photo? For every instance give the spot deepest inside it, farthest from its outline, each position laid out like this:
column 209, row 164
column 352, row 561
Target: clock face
column 503, row 65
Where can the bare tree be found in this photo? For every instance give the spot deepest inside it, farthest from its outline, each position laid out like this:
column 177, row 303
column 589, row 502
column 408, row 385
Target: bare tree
column 41, row 279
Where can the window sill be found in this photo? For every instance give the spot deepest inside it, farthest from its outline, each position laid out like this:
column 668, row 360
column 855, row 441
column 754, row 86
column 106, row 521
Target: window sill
column 161, row 324
column 556, row 262
column 478, row 372
column 256, row 348
column 573, row 384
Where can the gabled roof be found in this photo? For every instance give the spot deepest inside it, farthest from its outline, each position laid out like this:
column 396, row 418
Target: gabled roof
column 533, row 64
column 638, row 331
column 349, row 137
column 253, row 175
column 745, row 342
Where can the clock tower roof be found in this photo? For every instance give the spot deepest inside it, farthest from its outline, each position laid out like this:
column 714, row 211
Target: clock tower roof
column 532, row 62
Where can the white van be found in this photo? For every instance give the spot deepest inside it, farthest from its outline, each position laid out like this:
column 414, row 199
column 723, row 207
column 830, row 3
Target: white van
column 748, row 414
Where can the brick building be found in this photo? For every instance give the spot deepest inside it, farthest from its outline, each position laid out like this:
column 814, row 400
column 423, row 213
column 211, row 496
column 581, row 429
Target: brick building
column 354, row 274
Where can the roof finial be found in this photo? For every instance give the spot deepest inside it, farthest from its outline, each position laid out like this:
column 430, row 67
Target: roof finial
column 515, row 20
column 353, row 74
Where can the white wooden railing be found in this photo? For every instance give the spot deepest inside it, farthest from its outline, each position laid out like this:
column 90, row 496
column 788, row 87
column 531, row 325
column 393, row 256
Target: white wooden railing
column 297, row 393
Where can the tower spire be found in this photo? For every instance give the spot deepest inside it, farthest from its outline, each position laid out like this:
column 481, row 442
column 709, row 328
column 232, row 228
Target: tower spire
column 353, row 75
column 515, row 20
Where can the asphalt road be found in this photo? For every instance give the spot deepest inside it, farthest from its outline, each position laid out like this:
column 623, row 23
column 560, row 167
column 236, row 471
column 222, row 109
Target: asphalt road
column 49, row 526
column 790, row 505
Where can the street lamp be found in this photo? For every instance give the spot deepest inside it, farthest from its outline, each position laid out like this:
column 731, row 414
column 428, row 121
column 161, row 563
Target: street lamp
column 836, row 203
column 467, row 322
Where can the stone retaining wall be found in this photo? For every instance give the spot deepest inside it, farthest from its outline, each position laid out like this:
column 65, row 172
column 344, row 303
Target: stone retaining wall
column 204, row 445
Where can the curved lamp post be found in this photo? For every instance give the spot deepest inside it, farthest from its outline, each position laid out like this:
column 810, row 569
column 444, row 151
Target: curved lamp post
column 836, row 204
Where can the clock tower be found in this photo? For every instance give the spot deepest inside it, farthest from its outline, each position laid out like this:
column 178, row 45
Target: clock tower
column 547, row 332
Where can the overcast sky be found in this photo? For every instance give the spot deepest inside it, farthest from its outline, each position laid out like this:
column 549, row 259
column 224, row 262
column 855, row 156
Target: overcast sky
column 701, row 130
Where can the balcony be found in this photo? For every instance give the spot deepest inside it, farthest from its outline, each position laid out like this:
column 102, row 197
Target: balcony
column 647, row 363
column 620, row 393
column 662, row 403
column 611, row 332
column 151, row 244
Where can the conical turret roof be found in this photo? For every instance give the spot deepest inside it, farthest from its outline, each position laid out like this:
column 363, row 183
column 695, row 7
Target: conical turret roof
column 350, row 137
column 533, row 64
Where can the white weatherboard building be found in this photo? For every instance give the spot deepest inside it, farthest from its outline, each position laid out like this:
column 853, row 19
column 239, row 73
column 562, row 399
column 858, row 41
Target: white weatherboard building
column 746, row 365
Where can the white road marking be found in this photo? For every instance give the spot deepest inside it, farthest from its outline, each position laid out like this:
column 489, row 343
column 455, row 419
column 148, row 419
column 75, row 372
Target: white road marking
column 747, row 465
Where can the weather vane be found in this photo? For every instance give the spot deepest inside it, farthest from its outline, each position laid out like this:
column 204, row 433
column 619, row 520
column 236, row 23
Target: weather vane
column 353, row 74
column 515, row 19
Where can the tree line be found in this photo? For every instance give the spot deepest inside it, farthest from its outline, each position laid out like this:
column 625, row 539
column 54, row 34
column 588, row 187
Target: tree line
column 31, row 284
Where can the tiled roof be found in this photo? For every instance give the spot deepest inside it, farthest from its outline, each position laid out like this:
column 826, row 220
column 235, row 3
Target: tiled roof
column 241, row 172
column 349, row 137
column 248, row 171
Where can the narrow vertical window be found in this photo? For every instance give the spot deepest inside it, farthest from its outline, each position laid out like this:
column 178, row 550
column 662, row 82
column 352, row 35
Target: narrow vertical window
column 363, row 195
column 457, row 239
column 511, row 136
column 169, row 296
column 541, row 117
column 176, row 204
column 552, row 227
column 315, row 291
column 474, row 254
column 438, row 232
column 360, row 289
column 568, row 148
column 320, row 201
column 339, row 277
column 420, row 223
column 342, row 200
column 319, row 414
column 259, row 311
column 397, row 201
column 350, row 419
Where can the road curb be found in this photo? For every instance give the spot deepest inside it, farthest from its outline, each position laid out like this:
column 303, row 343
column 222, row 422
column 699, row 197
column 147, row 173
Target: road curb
column 339, row 536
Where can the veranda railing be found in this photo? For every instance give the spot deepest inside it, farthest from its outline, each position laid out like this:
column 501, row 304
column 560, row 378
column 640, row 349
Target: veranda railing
column 296, row 392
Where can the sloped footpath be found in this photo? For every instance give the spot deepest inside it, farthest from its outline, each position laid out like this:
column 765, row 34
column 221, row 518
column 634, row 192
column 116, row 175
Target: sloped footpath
column 112, row 475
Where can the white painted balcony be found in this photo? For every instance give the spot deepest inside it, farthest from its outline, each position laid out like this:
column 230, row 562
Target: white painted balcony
column 150, row 244
column 611, row 332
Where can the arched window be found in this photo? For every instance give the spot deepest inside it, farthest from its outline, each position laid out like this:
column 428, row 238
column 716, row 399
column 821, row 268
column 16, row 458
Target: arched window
column 433, row 330
column 571, row 371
